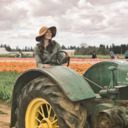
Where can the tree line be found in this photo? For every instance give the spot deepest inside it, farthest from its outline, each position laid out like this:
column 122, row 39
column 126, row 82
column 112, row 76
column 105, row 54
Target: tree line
column 102, row 49
column 83, row 49
column 8, row 48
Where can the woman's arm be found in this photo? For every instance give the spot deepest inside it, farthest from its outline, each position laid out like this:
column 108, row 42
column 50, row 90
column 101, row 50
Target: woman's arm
column 61, row 57
column 38, row 60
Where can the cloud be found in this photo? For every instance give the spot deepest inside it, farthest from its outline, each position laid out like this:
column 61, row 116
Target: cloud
column 11, row 14
column 76, row 20
column 51, row 7
column 102, row 2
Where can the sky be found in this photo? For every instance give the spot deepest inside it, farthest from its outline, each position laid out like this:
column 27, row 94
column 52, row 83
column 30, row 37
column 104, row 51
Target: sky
column 92, row 22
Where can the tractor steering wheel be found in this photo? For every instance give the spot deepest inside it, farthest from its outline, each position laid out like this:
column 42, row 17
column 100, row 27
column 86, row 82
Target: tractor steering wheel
column 57, row 58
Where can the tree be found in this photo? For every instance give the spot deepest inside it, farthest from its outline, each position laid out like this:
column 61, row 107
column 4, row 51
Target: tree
column 102, row 49
column 8, row 48
column 63, row 47
column 84, row 45
column 72, row 47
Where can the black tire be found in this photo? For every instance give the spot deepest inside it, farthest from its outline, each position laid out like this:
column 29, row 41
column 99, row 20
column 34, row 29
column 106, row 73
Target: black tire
column 69, row 114
column 87, row 125
column 104, row 121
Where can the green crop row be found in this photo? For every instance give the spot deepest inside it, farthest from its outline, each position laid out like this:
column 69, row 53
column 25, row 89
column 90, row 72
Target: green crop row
column 121, row 56
column 7, row 81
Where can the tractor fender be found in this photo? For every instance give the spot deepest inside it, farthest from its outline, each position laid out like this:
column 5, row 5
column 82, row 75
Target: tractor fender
column 73, row 85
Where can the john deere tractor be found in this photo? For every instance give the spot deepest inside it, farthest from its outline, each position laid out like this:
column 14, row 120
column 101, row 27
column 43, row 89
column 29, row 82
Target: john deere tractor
column 58, row 97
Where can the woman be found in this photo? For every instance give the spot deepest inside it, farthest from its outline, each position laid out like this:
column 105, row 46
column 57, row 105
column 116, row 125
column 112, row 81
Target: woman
column 94, row 55
column 47, row 47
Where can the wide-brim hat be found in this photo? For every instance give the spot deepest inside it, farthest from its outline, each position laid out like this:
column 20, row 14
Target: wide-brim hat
column 43, row 30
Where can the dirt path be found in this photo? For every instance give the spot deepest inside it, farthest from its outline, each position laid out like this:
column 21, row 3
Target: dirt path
column 5, row 113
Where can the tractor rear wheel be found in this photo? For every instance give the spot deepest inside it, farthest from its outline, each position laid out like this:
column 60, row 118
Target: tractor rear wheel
column 42, row 104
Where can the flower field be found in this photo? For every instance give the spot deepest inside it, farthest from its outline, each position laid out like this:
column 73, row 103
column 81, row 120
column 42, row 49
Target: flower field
column 23, row 66
column 9, row 72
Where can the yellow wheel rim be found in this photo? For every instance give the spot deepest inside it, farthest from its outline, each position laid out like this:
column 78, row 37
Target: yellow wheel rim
column 40, row 114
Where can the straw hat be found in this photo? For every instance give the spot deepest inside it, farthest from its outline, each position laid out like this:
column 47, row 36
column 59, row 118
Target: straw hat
column 43, row 30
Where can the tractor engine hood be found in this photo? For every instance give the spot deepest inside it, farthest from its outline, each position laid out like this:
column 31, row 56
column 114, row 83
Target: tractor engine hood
column 100, row 74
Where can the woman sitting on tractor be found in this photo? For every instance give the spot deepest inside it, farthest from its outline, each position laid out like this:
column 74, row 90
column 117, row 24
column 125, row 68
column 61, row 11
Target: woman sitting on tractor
column 47, row 47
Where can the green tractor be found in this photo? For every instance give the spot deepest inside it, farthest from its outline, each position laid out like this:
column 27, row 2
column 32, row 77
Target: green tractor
column 58, row 97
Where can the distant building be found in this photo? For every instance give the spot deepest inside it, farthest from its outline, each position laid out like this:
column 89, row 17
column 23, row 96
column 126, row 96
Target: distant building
column 3, row 51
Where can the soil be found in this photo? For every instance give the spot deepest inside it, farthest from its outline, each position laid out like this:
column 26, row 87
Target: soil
column 5, row 114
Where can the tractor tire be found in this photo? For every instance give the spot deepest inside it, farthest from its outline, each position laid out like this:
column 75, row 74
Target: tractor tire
column 42, row 104
column 102, row 120
column 87, row 125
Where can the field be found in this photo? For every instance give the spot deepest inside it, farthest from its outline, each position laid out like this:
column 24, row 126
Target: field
column 9, row 72
column 7, row 80
column 121, row 56
column 11, row 68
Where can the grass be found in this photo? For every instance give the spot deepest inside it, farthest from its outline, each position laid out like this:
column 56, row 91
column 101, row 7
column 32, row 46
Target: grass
column 16, row 56
column 7, row 80
column 98, row 56
column 10, row 56
column 121, row 56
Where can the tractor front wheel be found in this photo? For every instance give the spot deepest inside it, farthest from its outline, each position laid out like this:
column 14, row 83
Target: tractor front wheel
column 102, row 120
column 42, row 104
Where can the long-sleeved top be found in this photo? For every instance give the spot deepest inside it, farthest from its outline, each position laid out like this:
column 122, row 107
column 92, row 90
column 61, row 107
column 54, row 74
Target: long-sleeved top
column 45, row 58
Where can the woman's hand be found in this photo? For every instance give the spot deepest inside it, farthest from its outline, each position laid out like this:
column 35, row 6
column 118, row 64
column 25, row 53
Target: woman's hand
column 46, row 65
column 67, row 55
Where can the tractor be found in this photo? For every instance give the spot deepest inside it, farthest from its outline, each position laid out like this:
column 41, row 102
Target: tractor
column 59, row 97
